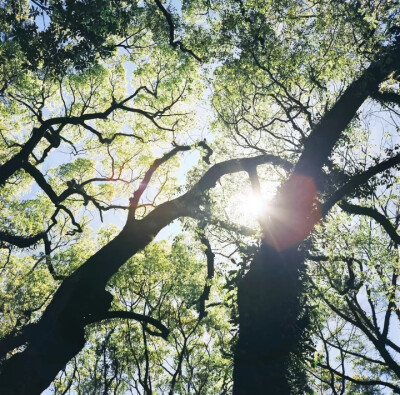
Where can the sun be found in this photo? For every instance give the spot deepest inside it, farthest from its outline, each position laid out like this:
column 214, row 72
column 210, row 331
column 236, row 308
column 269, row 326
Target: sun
column 254, row 205
column 250, row 207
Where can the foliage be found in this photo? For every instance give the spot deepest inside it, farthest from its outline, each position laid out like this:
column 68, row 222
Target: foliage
column 119, row 119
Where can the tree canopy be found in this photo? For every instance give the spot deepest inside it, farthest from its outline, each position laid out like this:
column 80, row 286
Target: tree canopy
column 199, row 197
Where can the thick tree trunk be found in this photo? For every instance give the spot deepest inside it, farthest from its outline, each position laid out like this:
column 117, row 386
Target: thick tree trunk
column 59, row 335
column 31, row 371
column 268, row 299
column 56, row 339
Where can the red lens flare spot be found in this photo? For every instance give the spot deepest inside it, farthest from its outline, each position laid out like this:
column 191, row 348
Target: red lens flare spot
column 294, row 213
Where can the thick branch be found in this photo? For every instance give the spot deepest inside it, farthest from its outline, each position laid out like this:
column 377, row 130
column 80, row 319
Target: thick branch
column 324, row 136
column 209, row 150
column 210, row 273
column 357, row 180
column 387, row 97
column 12, row 341
column 82, row 295
column 376, row 215
column 254, row 180
column 21, row 241
column 211, row 177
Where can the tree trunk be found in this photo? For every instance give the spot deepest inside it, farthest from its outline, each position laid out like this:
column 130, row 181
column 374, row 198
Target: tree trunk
column 268, row 298
column 56, row 339
column 59, row 334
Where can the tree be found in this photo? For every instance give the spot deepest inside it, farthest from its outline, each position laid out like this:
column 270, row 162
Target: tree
column 118, row 85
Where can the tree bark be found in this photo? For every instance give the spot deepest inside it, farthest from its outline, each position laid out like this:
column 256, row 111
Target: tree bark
column 268, row 300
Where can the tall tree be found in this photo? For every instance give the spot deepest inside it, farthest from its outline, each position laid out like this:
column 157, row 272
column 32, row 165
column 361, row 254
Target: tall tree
column 118, row 87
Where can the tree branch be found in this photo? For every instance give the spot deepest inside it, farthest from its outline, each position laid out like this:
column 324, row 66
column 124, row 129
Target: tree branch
column 82, row 295
column 134, row 201
column 322, row 139
column 174, row 43
column 21, row 241
column 209, row 150
column 73, row 188
column 16, row 162
column 358, row 180
column 376, row 215
column 210, row 272
column 395, row 388
column 130, row 315
column 13, row 340
column 387, row 97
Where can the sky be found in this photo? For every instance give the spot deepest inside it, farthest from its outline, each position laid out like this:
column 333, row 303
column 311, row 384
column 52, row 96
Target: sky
column 375, row 124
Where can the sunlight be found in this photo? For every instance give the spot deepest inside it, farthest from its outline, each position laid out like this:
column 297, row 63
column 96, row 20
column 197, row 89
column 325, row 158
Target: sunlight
column 248, row 207
column 251, row 206
column 255, row 205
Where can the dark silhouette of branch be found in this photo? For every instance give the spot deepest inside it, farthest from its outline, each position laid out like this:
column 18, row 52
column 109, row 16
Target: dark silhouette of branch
column 210, row 272
column 16, row 162
column 254, row 180
column 73, row 188
column 387, row 97
column 109, row 140
column 174, row 43
column 376, row 215
column 13, row 340
column 207, row 156
column 134, row 201
column 236, row 165
column 358, row 180
column 356, row 354
column 164, row 331
column 356, row 316
column 322, row 139
column 27, row 241
column 82, row 295
column 21, row 241
column 365, row 382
